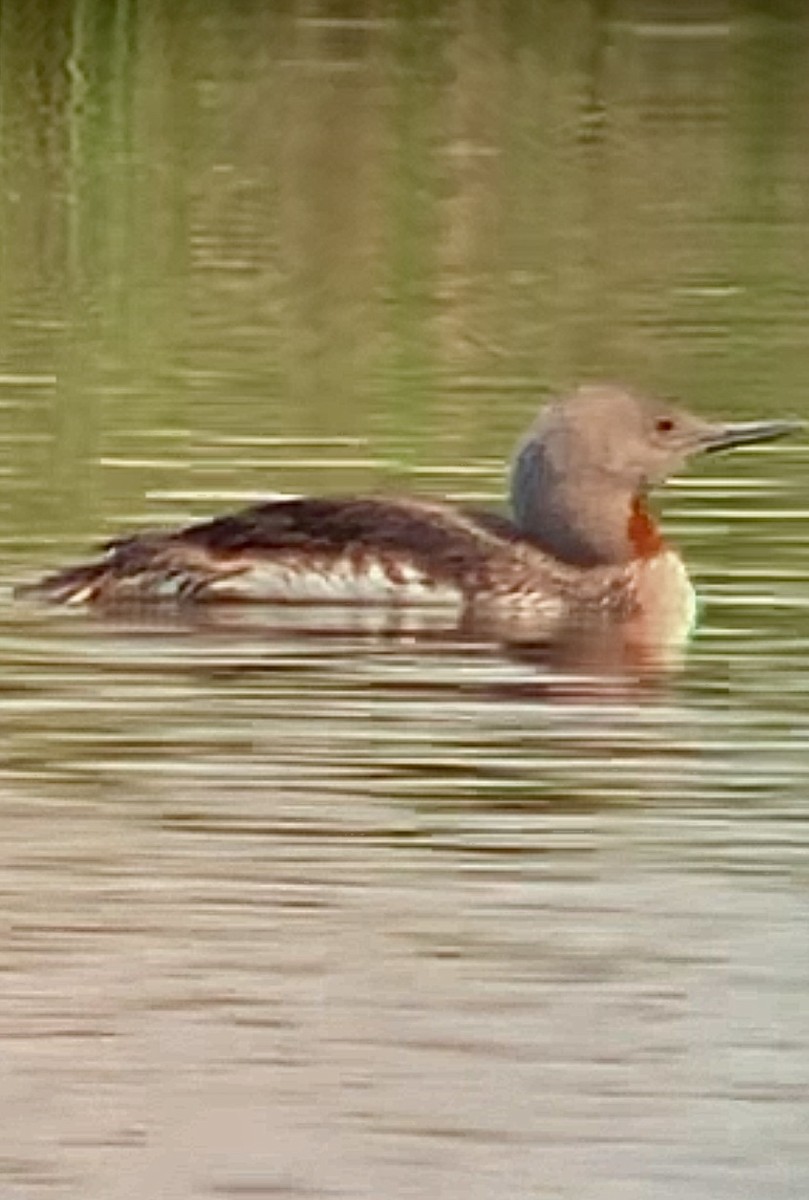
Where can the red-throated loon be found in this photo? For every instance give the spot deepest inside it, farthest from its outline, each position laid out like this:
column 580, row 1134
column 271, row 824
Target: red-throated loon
column 580, row 538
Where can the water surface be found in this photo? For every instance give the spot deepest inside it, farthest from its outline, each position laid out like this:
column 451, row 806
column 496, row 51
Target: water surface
column 315, row 907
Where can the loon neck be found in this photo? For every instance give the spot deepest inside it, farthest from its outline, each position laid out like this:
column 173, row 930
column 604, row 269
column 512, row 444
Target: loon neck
column 586, row 522
column 604, row 536
column 643, row 534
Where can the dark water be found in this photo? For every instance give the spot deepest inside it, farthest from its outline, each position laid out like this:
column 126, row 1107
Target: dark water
column 296, row 909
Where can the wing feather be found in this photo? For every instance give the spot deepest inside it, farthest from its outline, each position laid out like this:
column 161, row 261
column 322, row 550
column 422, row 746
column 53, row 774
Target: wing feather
column 407, row 546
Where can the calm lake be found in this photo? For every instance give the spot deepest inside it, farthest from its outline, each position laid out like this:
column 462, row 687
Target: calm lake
column 303, row 906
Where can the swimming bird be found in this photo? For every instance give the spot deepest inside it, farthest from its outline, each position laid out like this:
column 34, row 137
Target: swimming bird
column 580, row 540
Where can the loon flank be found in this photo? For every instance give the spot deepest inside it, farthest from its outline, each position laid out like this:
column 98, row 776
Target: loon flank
column 580, row 538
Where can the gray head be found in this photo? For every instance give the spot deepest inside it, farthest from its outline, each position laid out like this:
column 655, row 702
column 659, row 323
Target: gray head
column 580, row 475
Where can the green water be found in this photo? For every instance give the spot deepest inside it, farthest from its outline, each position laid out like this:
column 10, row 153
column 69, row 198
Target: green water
column 292, row 910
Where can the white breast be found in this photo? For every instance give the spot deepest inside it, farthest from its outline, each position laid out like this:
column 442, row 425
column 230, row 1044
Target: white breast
column 665, row 594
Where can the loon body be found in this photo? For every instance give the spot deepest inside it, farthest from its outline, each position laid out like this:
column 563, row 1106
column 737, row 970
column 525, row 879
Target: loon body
column 580, row 538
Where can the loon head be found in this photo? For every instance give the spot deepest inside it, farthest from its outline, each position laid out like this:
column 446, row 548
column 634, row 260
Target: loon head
column 581, row 474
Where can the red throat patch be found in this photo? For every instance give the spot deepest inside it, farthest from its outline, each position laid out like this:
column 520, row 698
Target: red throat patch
column 644, row 536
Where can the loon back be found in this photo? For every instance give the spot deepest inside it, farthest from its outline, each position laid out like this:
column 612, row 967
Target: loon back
column 358, row 550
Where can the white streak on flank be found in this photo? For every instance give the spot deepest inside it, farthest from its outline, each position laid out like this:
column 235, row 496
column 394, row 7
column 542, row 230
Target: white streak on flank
column 80, row 597
column 332, row 582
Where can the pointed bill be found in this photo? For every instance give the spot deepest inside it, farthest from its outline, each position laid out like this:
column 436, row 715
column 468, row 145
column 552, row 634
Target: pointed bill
column 745, row 433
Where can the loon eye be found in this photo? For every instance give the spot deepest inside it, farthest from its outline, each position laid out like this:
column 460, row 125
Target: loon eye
column 664, row 425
